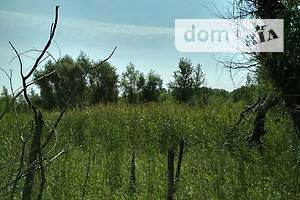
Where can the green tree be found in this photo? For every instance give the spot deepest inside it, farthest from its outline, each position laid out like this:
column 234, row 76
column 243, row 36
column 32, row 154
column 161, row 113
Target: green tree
column 152, row 87
column 245, row 93
column 132, row 83
column 57, row 87
column 103, row 83
column 182, row 86
column 199, row 95
column 199, row 77
column 187, row 81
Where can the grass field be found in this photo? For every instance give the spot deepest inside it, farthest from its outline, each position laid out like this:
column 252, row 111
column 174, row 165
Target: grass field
column 100, row 142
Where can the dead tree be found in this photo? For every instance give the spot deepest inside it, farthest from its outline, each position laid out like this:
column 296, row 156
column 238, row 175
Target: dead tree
column 32, row 158
column 35, row 157
column 35, row 149
column 259, row 122
column 260, row 118
column 245, row 111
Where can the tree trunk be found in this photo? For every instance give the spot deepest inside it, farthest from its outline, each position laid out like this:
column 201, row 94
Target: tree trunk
column 179, row 163
column 87, row 174
column 171, row 156
column 132, row 171
column 293, row 104
column 259, row 122
column 32, row 159
column 296, row 120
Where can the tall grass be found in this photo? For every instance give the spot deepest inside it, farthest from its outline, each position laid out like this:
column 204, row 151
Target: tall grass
column 215, row 165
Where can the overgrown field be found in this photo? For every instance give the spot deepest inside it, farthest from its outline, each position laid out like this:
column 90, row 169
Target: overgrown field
column 215, row 164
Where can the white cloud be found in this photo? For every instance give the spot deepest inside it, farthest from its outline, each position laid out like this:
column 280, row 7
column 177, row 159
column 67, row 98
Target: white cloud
column 92, row 26
column 84, row 26
column 9, row 18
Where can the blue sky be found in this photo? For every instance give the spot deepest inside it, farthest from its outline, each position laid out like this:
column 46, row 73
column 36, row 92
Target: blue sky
column 143, row 31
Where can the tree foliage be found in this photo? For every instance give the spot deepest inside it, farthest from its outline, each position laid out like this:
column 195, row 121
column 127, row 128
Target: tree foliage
column 187, row 81
column 138, row 88
column 57, row 87
column 152, row 88
column 99, row 86
column 282, row 69
column 103, row 84
column 132, row 83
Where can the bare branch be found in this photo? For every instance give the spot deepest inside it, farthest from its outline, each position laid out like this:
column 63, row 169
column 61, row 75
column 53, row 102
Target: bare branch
column 21, row 91
column 92, row 68
column 22, row 175
column 57, row 155
column 21, row 163
column 33, row 50
column 19, row 58
column 24, row 81
column 53, row 28
column 58, row 49
column 245, row 111
column 88, row 173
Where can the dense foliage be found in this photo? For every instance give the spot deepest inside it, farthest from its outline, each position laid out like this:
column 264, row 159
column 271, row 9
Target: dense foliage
column 137, row 88
column 279, row 69
column 103, row 85
column 100, row 85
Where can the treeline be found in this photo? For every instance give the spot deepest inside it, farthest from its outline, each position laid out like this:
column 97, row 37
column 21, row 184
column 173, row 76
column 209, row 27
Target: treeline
column 104, row 85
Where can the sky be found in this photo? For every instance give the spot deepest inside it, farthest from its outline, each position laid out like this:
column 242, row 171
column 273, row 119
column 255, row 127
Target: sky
column 143, row 32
